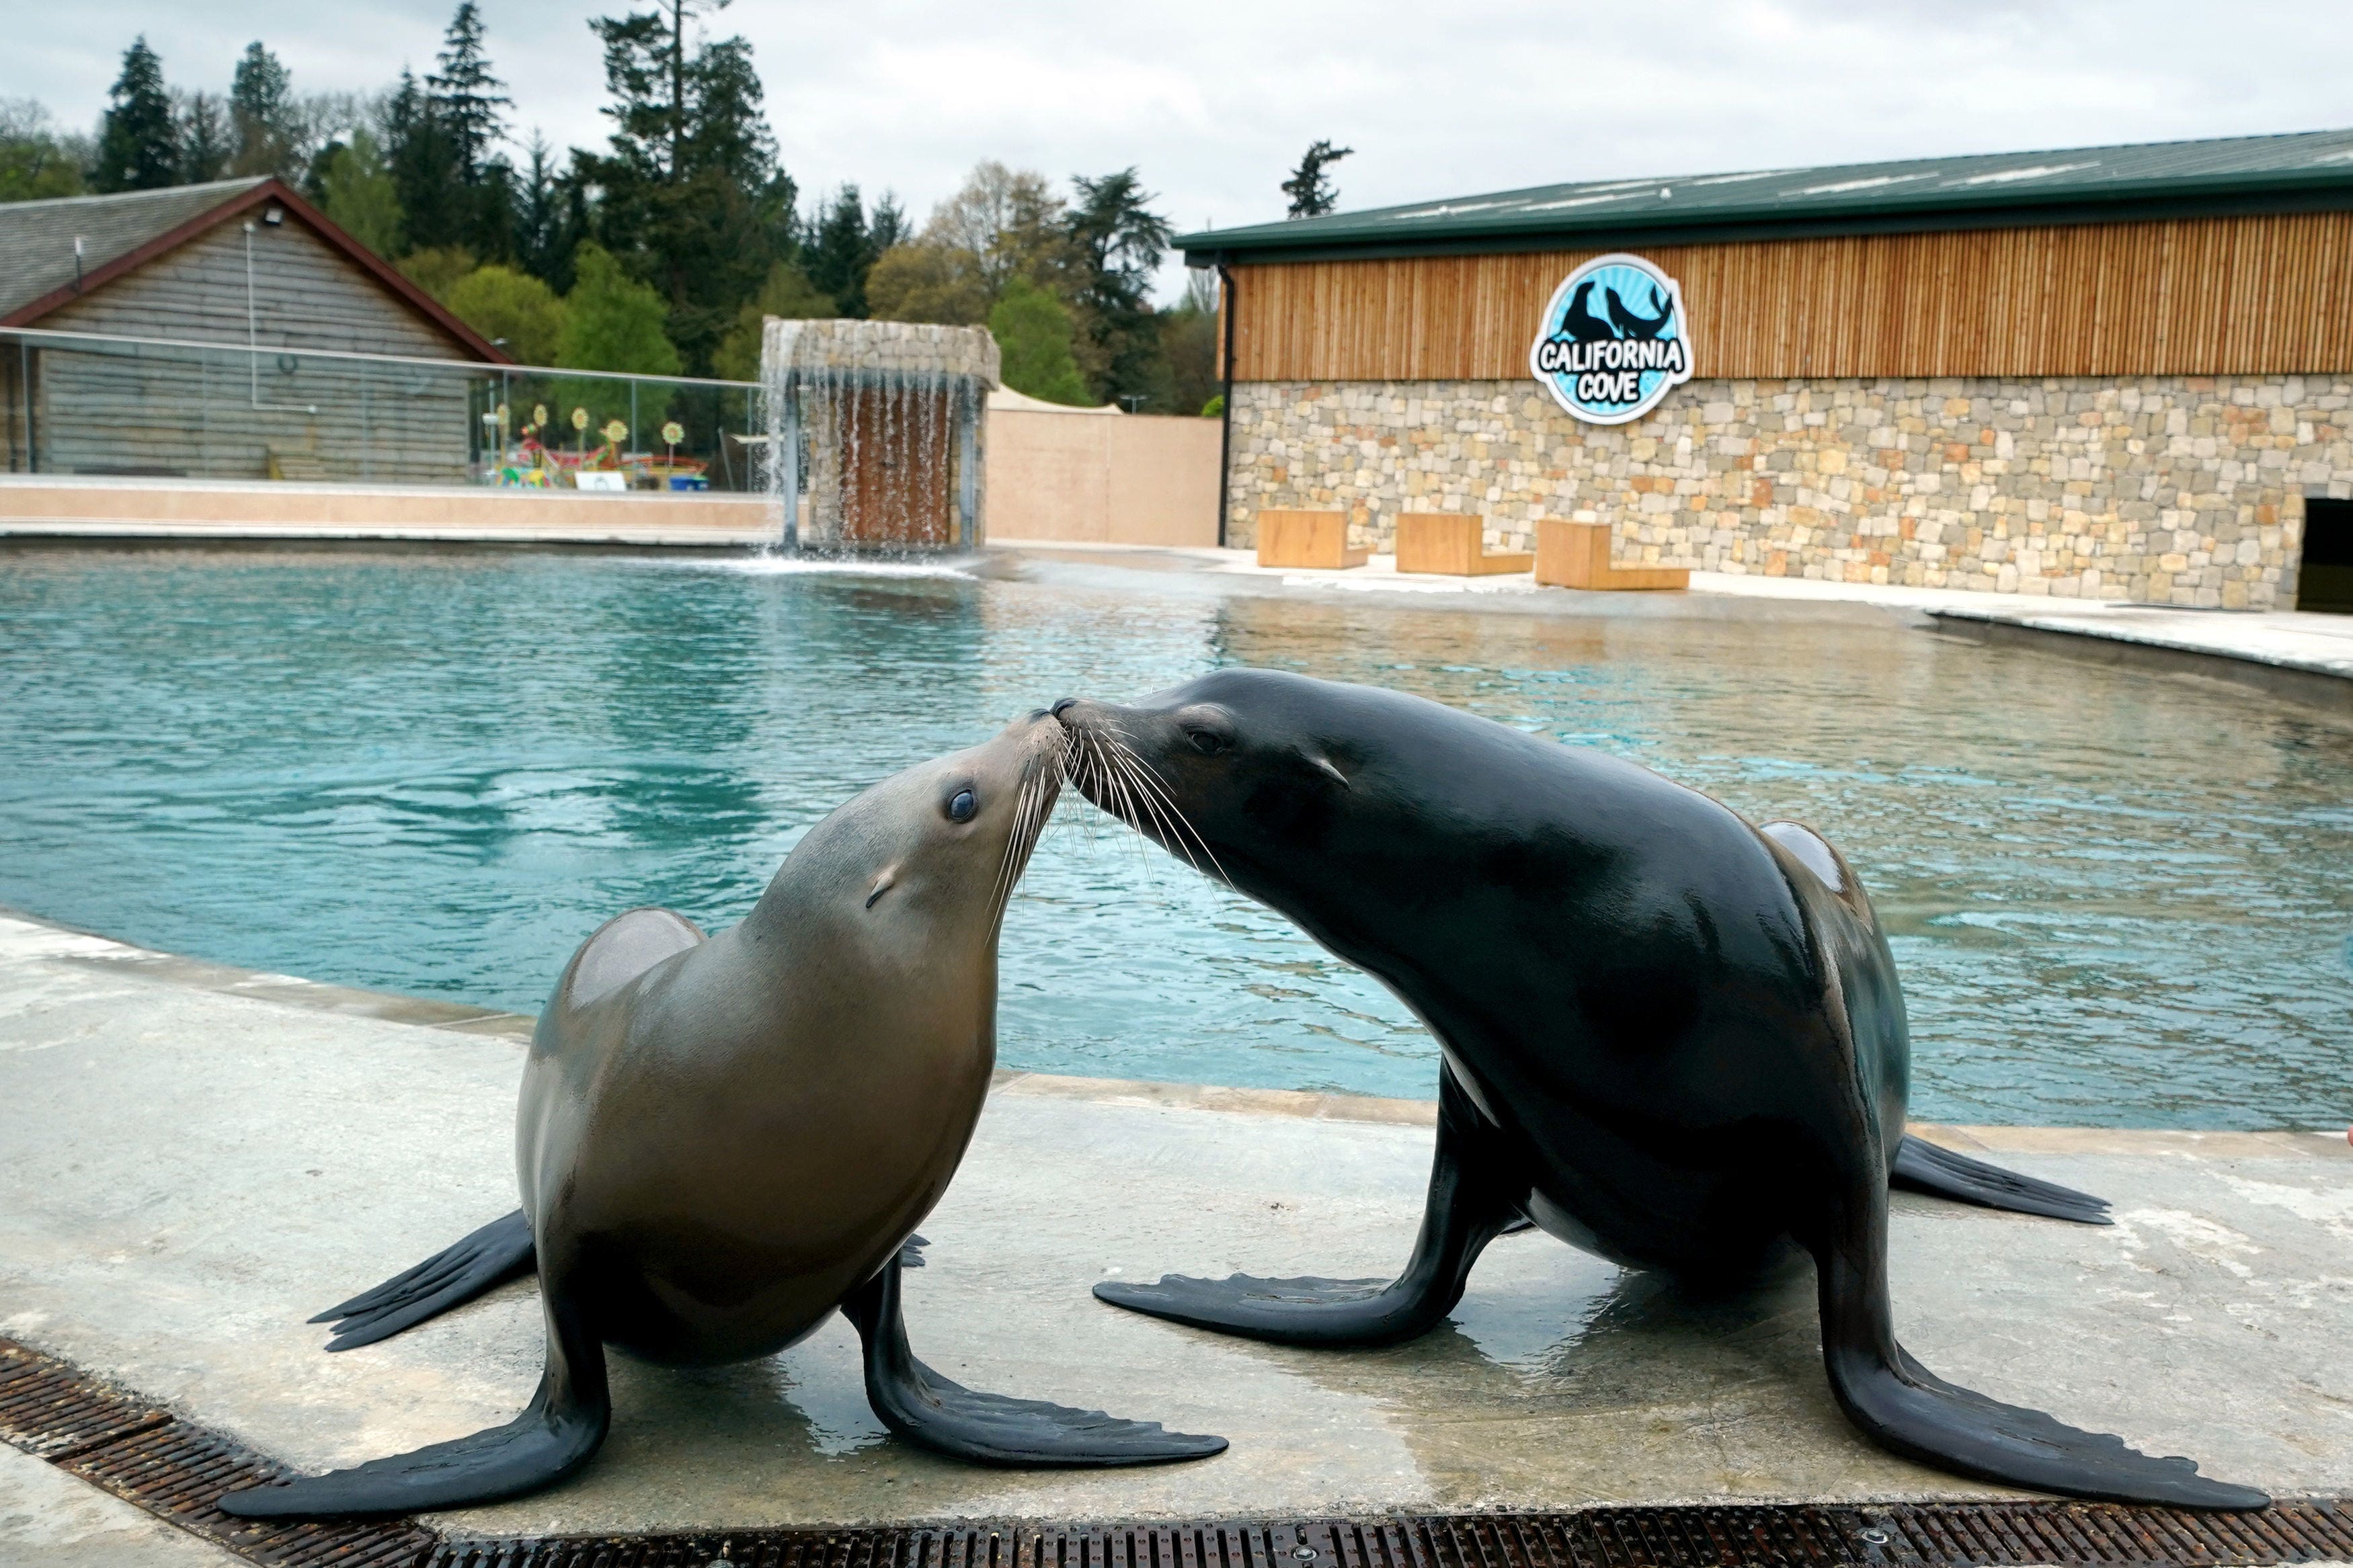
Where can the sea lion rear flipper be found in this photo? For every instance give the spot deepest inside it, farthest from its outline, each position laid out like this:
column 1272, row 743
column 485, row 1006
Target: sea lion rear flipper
column 1925, row 1167
column 1470, row 1203
column 923, row 1408
column 500, row 1251
column 556, row 1435
column 1910, row 1410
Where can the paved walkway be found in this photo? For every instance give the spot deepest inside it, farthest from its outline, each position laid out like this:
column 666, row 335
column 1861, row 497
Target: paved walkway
column 196, row 1160
column 2287, row 640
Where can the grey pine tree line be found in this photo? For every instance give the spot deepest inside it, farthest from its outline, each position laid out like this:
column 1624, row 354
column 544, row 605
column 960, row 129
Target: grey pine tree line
column 661, row 252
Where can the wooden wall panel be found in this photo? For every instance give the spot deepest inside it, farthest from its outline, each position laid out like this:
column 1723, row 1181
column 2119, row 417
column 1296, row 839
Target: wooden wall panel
column 2257, row 295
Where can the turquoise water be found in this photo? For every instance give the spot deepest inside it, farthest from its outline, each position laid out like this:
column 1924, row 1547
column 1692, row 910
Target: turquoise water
column 2118, row 898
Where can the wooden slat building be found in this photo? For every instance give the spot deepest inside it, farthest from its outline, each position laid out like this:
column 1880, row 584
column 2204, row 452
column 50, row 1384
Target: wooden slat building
column 2121, row 372
column 231, row 263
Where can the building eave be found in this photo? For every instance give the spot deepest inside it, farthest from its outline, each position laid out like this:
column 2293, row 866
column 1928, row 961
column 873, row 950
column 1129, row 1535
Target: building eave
column 267, row 191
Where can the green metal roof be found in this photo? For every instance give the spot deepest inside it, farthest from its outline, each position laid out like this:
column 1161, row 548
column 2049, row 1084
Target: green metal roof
column 2310, row 171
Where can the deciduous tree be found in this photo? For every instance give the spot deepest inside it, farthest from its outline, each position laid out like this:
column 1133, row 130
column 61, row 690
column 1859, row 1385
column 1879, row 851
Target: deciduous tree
column 512, row 308
column 1033, row 340
column 924, row 282
column 612, row 321
column 37, row 160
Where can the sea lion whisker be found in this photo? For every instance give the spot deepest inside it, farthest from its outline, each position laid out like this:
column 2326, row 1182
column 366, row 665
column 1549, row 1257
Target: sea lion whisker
column 1150, row 777
column 1000, row 892
column 1028, row 822
column 1170, row 834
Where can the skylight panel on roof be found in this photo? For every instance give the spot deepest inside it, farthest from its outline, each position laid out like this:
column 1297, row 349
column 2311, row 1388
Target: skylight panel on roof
column 1579, row 201
column 2039, row 172
column 1872, row 184
column 1443, row 209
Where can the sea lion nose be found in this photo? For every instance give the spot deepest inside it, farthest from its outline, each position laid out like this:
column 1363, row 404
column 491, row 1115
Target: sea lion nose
column 1065, row 703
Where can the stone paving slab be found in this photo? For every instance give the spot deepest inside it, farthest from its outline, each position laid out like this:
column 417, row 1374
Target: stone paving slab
column 49, row 1519
column 192, row 1169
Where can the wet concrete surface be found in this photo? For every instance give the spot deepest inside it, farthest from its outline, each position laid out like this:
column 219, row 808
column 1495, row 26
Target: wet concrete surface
column 49, row 1519
column 194, row 1162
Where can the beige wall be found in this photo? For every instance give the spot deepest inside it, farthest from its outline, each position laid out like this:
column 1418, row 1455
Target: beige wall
column 1132, row 479
column 39, row 504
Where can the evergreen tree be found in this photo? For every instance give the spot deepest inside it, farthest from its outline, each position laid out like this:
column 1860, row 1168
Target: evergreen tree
column 261, row 115
column 887, row 228
column 1311, row 191
column 788, row 294
column 138, row 145
column 550, row 213
column 841, row 251
column 1119, row 242
column 465, row 104
column 423, row 162
column 357, row 195
column 691, row 196
column 465, row 95
column 207, row 138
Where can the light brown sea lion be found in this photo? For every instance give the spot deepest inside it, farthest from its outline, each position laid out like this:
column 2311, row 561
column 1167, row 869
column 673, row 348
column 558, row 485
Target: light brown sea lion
column 721, row 1139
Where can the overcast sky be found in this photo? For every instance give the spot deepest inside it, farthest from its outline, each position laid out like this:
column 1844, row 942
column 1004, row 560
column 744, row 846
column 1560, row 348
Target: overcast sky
column 1213, row 100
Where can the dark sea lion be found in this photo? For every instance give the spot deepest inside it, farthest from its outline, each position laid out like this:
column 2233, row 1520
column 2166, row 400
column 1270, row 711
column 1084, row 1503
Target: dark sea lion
column 1670, row 1038
column 722, row 1139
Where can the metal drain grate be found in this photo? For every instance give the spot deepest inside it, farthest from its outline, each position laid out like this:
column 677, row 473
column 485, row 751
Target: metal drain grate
column 1762, row 1537
column 174, row 1471
column 178, row 1472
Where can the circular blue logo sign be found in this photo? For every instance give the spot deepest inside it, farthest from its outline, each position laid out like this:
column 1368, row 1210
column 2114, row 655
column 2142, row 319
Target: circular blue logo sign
column 1613, row 341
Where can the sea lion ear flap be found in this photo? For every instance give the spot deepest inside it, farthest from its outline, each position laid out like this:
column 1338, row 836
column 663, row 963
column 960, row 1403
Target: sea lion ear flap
column 1325, row 767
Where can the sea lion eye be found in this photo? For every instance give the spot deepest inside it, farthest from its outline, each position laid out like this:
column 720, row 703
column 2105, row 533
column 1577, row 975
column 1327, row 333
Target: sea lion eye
column 1208, row 743
column 962, row 807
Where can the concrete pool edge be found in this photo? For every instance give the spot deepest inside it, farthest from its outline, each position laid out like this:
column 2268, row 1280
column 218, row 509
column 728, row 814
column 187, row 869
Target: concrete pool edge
column 202, row 1155
column 1318, row 1105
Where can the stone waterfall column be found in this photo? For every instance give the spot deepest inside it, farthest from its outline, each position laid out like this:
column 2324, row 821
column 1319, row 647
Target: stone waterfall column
column 879, row 433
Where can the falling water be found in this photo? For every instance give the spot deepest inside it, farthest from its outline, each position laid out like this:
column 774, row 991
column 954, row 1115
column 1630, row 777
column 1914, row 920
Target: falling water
column 865, row 422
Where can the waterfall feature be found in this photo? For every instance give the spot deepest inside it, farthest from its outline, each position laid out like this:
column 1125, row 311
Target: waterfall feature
column 876, row 431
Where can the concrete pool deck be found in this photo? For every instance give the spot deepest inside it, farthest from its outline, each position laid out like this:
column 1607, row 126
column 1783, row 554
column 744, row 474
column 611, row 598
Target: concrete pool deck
column 2290, row 653
column 197, row 1158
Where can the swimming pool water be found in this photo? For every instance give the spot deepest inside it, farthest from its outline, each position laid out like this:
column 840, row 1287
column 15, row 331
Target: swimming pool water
column 2117, row 898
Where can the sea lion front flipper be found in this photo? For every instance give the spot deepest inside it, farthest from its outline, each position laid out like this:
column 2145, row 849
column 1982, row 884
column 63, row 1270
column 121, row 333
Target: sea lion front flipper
column 923, row 1408
column 1926, row 1167
column 1470, row 1203
column 488, row 1258
column 1906, row 1408
column 556, row 1435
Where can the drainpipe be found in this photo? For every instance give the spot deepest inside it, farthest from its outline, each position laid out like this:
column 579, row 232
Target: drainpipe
column 1226, row 406
column 253, row 346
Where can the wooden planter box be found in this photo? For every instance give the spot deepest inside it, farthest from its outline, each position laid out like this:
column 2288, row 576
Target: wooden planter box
column 1577, row 555
column 1315, row 539
column 1448, row 544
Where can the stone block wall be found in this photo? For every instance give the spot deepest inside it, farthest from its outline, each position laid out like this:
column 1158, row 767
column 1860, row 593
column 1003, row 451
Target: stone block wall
column 2180, row 489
